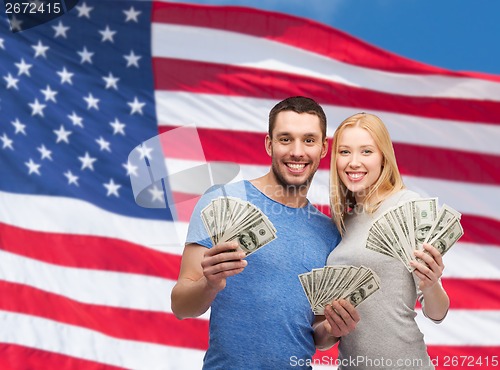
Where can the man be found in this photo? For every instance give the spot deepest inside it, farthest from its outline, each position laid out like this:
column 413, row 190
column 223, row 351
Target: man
column 260, row 317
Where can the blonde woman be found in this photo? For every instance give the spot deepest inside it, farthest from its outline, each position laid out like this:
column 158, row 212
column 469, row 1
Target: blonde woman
column 365, row 182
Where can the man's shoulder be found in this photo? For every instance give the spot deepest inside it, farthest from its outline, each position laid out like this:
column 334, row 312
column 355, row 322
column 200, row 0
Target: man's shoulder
column 237, row 189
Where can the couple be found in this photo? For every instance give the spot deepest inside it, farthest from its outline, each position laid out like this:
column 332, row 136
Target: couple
column 260, row 317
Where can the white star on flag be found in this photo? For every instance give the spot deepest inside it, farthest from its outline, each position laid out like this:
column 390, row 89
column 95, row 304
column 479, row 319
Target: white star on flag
column 76, row 119
column 11, row 81
column 118, row 127
column 15, row 24
column 40, row 49
column 19, row 127
column 156, row 194
column 24, row 68
column 72, row 179
column 131, row 14
column 131, row 169
column 60, row 29
column 91, row 102
column 132, row 59
column 107, row 34
column 62, row 135
column 136, row 106
column 103, row 144
column 111, row 81
column 66, row 76
column 44, row 152
column 6, row 142
column 84, row 10
column 37, row 108
column 144, row 151
column 33, row 167
column 49, row 94
column 112, row 188
column 85, row 55
column 87, row 161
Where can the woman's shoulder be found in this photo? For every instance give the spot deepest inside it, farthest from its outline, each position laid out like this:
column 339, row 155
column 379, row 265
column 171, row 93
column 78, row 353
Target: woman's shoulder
column 397, row 199
column 405, row 195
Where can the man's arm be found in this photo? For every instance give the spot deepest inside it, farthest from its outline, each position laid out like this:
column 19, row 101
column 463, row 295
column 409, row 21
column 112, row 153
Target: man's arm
column 202, row 275
column 340, row 319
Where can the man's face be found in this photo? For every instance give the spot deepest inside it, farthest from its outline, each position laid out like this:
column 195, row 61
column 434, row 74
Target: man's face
column 296, row 148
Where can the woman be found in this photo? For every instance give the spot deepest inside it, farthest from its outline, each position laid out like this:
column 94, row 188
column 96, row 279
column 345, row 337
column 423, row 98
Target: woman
column 365, row 182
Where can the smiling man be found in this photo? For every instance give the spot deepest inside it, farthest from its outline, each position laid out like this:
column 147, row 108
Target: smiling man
column 260, row 317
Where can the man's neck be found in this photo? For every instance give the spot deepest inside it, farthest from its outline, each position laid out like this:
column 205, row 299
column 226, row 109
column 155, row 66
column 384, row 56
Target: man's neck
column 295, row 197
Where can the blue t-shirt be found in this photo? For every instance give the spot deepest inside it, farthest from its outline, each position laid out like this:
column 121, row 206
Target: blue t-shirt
column 262, row 319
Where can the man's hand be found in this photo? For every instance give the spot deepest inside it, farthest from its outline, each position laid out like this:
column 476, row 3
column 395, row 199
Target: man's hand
column 221, row 261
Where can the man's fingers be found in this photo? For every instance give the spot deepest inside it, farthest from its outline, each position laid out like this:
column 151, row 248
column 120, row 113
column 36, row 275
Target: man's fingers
column 222, row 248
column 224, row 266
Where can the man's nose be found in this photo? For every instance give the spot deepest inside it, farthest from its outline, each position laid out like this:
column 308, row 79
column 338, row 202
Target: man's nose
column 297, row 149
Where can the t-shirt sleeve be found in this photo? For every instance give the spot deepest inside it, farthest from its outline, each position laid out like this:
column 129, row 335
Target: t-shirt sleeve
column 197, row 233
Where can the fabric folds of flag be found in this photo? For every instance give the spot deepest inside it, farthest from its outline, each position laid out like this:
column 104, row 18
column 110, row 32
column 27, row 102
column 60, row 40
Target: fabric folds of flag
column 86, row 273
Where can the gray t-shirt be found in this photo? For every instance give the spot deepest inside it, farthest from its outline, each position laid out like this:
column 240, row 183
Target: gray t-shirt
column 387, row 336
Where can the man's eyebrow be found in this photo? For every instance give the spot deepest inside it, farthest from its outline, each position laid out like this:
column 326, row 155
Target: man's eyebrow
column 286, row 133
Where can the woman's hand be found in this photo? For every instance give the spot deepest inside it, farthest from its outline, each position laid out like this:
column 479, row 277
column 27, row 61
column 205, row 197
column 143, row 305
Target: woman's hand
column 431, row 267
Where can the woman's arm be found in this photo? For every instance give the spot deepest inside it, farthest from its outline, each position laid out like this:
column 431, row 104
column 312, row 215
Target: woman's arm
column 435, row 297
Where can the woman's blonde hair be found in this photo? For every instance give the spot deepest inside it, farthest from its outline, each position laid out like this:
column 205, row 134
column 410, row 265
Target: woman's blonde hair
column 341, row 199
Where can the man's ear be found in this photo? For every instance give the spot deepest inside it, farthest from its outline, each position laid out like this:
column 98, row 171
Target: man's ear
column 269, row 144
column 324, row 148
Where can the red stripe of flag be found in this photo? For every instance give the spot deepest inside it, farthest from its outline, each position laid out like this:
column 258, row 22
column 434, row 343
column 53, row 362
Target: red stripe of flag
column 213, row 78
column 86, row 251
column 130, row 324
column 218, row 145
column 17, row 357
column 299, row 32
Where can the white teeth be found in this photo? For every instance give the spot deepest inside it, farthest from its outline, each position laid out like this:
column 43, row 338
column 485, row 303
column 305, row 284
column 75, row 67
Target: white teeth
column 356, row 175
column 296, row 166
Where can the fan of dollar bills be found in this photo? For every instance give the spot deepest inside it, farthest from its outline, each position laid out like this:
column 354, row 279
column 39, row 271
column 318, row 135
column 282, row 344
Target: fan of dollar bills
column 228, row 218
column 323, row 285
column 403, row 229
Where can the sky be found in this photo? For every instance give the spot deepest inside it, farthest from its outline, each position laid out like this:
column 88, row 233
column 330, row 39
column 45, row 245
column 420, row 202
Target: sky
column 460, row 35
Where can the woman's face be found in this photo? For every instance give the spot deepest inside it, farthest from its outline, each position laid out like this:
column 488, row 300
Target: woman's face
column 359, row 161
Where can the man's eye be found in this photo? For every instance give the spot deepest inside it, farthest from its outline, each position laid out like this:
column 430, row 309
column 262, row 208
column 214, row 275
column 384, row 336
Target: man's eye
column 284, row 140
column 310, row 141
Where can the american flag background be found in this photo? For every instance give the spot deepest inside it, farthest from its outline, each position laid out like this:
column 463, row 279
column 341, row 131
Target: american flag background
column 86, row 273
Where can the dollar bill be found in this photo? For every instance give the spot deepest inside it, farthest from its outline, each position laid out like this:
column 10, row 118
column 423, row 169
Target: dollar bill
column 424, row 214
column 446, row 216
column 447, row 237
column 402, row 229
column 229, row 218
column 322, row 286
